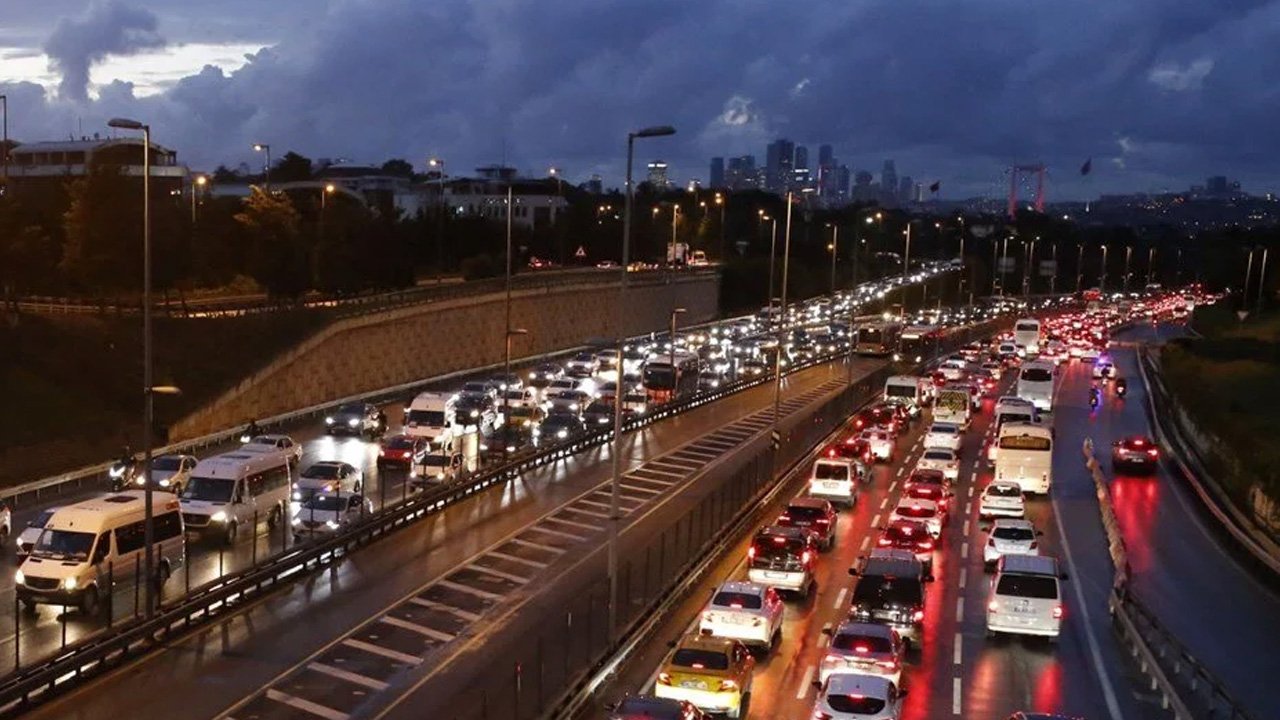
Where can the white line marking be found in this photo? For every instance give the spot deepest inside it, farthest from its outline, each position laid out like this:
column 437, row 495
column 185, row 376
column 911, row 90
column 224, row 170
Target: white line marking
column 538, row 546
column 497, row 573
column 893, row 486
column 884, row 503
column 959, row 609
column 826, row 635
column 415, row 627
column 574, row 523
column 964, row 550
column 459, row 612
column 840, row 598
column 805, row 682
column 865, row 542
column 1108, row 692
column 354, row 678
column 964, row 577
column 902, row 471
column 469, row 590
column 956, row 654
column 966, row 527
column 305, row 705
column 875, row 520
column 589, row 513
column 955, row 696
column 516, row 558
column 384, row 652
column 596, row 503
column 970, row 491
column 560, row 533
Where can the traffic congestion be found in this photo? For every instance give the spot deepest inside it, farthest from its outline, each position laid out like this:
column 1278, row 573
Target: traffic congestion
column 921, row 537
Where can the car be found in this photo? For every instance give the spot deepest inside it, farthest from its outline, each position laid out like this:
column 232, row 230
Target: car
column 713, row 674
column 169, row 472
column 755, row 368
column 890, row 590
column 27, row 538
column 582, row 365
column 944, row 460
column 401, row 451
column 814, row 514
column 558, row 426
column 1135, row 453
column 567, row 401
column 1026, row 597
column 783, row 558
column 852, row 696
column 516, row 397
column 835, row 478
column 864, row 649
column 356, row 418
column 933, row 515
column 744, row 611
column 928, row 485
column 280, row 445
column 880, row 444
column 1103, row 369
column 1010, row 536
column 913, row 537
column 852, row 448
column 1024, row 715
column 710, row 380
column 646, row 707
column 510, row 381
column 1002, row 499
column 545, row 374
column 438, row 465
column 327, row 476
column 478, row 389
column 943, row 435
column 476, row 409
column 328, row 513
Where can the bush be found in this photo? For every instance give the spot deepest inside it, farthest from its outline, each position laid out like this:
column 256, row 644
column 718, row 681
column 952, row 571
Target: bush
column 478, row 267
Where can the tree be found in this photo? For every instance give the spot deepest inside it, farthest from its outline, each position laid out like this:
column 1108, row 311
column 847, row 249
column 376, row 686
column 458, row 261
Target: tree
column 224, row 174
column 103, row 233
column 398, row 167
column 291, row 168
column 277, row 258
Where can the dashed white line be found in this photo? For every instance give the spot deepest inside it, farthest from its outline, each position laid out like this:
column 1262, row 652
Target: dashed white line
column 884, row 503
column 298, row 703
column 956, row 654
column 804, row 683
column 964, row 577
column 970, row 491
column 353, row 678
column 865, row 542
column 955, row 696
column 400, row 657
column 826, row 635
column 840, row 596
column 966, row 527
column 964, row 550
column 959, row 609
column 893, row 486
column 875, row 520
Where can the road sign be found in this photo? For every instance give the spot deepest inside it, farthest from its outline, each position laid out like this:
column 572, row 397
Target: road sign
column 776, row 438
column 1006, row 265
column 1242, row 314
column 581, row 252
column 1048, row 268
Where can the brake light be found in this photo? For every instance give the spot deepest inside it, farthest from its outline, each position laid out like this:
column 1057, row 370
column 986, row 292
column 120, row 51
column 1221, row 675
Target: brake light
column 993, row 606
column 1152, row 452
column 925, row 544
column 807, row 557
column 917, row 616
column 407, row 453
column 728, row 685
column 1138, row 442
column 890, row 665
column 779, row 540
column 736, row 605
column 751, row 553
column 698, row 666
column 382, row 452
column 1057, row 612
column 884, row 541
column 664, row 678
column 831, row 452
column 861, row 649
column 1034, row 545
column 823, row 521
column 991, row 542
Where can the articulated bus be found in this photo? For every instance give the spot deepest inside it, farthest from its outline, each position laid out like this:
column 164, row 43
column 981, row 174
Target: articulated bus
column 664, row 380
column 1024, row 455
column 879, row 338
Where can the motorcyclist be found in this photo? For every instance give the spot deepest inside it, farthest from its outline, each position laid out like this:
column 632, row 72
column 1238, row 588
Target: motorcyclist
column 250, row 431
column 1095, row 396
column 1121, row 386
column 122, row 471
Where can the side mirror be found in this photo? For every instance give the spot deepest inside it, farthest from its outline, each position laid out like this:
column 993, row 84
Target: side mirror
column 853, row 572
column 827, row 630
column 928, row 577
column 1064, row 576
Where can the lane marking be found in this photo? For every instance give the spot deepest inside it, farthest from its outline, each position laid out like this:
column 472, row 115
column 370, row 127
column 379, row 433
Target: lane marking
column 955, row 696
column 959, row 609
column 444, row 582
column 875, row 520
column 400, row 657
column 560, row 533
column 893, row 486
column 516, row 558
column 538, row 546
column 353, row 678
column 884, row 502
column 826, row 638
column 964, row 551
column 966, row 527
column 415, row 627
column 805, row 682
column 433, row 605
column 964, row 577
column 305, row 705
column 866, row 540
column 840, row 598
column 970, row 491
column 956, row 654
column 519, row 580
column 575, row 523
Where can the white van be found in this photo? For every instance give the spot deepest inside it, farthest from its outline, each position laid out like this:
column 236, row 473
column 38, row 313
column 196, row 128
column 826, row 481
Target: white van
column 904, row 388
column 234, row 489
column 86, row 546
column 1026, row 597
column 1026, row 335
column 431, row 414
column 1035, row 383
column 834, row 479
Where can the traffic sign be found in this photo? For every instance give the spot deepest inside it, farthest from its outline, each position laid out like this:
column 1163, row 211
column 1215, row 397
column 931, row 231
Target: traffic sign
column 1242, row 314
column 776, row 439
column 581, row 252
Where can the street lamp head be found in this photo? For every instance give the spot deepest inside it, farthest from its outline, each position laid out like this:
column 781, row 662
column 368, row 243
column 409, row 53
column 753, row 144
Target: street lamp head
column 259, row 147
column 125, row 124
column 678, row 311
column 870, row 219
column 202, row 180
column 165, row 390
column 517, row 331
column 435, row 162
column 831, row 246
column 654, row 131
column 553, row 171
column 330, row 188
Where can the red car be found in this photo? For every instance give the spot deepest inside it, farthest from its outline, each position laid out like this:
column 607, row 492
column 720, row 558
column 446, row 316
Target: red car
column 401, row 451
column 909, row 535
column 1136, row 452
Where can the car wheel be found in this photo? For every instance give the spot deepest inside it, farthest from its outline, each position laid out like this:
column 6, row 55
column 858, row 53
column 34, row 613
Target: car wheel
column 273, row 517
column 89, row 601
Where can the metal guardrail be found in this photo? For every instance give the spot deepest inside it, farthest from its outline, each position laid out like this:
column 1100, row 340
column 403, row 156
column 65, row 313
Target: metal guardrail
column 1164, row 420
column 78, row 478
column 103, row 651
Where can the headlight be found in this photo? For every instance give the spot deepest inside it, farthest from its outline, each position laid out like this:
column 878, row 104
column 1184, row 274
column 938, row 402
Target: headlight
column 220, row 516
column 562, row 434
column 297, row 496
column 475, row 413
column 328, row 421
column 138, row 481
column 533, row 376
column 69, row 583
column 331, row 524
column 117, row 471
column 297, row 521
column 328, row 488
column 164, row 482
column 19, row 578
column 573, row 406
column 440, row 475
column 353, row 422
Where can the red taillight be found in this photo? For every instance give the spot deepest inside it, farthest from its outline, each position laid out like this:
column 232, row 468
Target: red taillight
column 861, row 649
column 1057, row 612
column 831, row 452
column 382, row 452
column 925, row 544
column 783, row 517
column 1034, row 545
column 823, row 521
column 698, row 666
column 884, row 541
column 807, row 557
column 407, row 453
column 751, row 553
column 779, row 540
column 728, row 685
column 890, row 665
column 664, row 678
column 991, row 542
column 736, row 605
column 1152, row 452
column 1138, row 442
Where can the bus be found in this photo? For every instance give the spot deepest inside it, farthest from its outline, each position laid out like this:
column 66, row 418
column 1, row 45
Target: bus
column 878, row 338
column 1026, row 335
column 1024, row 455
column 1035, row 383
column 664, row 380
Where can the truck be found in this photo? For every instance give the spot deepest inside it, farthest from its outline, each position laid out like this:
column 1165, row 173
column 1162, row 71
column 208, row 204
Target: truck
column 952, row 406
column 447, row 459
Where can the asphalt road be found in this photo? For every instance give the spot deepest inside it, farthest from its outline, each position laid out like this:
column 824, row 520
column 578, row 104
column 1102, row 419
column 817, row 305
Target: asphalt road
column 958, row 672
column 248, row 655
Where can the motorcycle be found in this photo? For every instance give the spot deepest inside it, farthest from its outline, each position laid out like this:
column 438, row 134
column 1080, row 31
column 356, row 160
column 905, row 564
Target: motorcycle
column 249, row 432
column 122, row 473
column 1094, row 398
column 1121, row 387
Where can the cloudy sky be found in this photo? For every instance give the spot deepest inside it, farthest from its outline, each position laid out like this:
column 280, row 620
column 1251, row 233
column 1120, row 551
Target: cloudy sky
column 1160, row 93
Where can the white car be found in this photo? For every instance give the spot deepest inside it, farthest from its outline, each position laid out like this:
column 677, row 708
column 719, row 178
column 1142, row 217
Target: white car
column 170, row 472
column 327, row 477
column 944, row 459
column 27, row 538
column 321, row 515
column 849, row 696
column 1009, row 536
column 865, row 649
column 584, row 364
column 744, row 611
column 1002, row 499
column 932, row 514
column 879, row 444
column 943, row 435
column 281, row 445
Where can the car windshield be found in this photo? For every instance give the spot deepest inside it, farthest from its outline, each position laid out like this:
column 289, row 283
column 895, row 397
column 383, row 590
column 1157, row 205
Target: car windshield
column 167, row 463
column 941, row 429
column 938, row 455
column 42, row 519
column 885, row 589
column 831, row 471
column 351, row 409
column 1004, row 491
column 426, row 417
column 1016, row 534
column 1037, row 375
column 1040, row 587
column 400, row 443
column 322, row 471
column 770, row 549
column 699, row 659
column 209, row 489
column 737, row 600
column 63, row 545
column 433, row 460
column 861, row 643
column 324, row 503
column 904, row 532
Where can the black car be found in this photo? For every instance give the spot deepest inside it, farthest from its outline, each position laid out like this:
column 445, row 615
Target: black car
column 816, row 515
column 545, row 374
column 356, row 419
column 508, row 439
column 1136, row 453
column 559, row 426
column 645, row 707
column 890, row 590
column 598, row 414
column 478, row 410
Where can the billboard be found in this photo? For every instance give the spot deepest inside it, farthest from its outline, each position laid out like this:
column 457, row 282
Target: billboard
column 1048, row 268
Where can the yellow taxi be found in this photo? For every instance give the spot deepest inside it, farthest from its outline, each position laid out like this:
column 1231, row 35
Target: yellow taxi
column 712, row 673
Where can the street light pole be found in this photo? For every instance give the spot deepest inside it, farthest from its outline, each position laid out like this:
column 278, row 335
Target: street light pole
column 1079, row 267
column 835, row 252
column 196, row 185
column 4, row 148
column 615, row 514
column 506, row 386
column 1053, row 279
column 147, row 380
column 777, row 354
column 265, row 149
column 1102, row 273
column 675, row 312
column 722, row 202
column 437, row 162
column 1128, row 253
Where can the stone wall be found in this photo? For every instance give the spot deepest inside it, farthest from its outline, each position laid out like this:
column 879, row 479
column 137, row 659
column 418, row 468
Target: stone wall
column 368, row 353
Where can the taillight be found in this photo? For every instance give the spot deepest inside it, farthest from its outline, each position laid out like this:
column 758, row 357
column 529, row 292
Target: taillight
column 807, row 557
column 1152, row 452
column 890, row 665
column 823, row 521
column 991, row 542
column 1057, row 612
column 728, row 685
column 664, row 678
column 751, row 553
column 1034, row 544
column 381, row 452
column 925, row 544
column 993, row 606
column 917, row 616
column 407, row 453
column 884, row 541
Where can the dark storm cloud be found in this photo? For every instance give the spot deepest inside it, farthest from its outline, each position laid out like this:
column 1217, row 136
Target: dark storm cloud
column 1158, row 93
column 107, row 28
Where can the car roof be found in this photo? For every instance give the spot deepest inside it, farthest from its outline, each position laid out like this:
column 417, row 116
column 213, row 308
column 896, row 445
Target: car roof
column 1006, row 484
column 808, row 502
column 1029, row 565
column 918, row 503
column 790, row 532
column 698, row 641
column 848, row 683
column 865, row 628
column 739, row 586
column 898, row 566
column 1012, row 523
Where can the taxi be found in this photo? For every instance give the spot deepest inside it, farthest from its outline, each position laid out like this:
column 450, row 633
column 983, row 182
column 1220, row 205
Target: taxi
column 711, row 673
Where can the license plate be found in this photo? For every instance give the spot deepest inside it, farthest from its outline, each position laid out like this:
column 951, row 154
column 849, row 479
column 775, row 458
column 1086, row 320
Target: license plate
column 734, row 619
column 831, row 484
column 693, row 684
column 775, row 575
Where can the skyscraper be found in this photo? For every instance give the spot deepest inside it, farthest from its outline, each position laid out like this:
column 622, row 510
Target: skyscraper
column 778, row 164
column 658, row 175
column 889, row 181
column 802, row 158
column 905, row 189
column 716, row 177
column 826, row 158
column 842, row 181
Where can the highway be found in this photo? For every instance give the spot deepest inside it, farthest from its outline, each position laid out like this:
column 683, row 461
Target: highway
column 280, row 653
column 958, row 672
